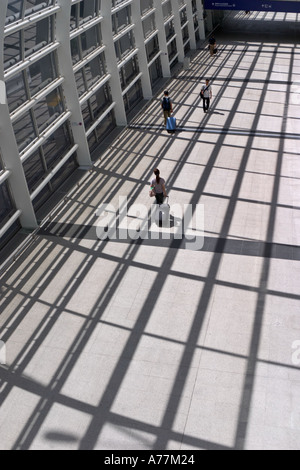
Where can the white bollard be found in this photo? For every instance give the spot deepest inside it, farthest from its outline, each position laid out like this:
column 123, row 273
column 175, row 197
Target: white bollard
column 2, row 353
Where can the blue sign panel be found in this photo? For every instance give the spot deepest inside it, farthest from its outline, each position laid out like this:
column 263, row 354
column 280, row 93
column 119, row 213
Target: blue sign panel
column 254, row 5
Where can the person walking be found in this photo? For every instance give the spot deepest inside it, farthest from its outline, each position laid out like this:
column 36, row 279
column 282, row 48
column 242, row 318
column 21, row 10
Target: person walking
column 212, row 45
column 167, row 106
column 158, row 186
column 206, row 95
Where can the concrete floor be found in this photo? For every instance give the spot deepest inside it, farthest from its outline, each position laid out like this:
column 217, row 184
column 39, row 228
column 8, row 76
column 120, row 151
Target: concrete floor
column 159, row 344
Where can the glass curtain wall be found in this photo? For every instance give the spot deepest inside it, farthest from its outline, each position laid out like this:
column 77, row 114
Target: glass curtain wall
column 35, row 102
column 39, row 114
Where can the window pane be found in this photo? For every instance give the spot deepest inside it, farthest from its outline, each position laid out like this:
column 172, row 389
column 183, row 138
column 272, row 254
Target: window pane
column 149, row 25
column 14, row 228
column 89, row 41
column 129, row 72
column 73, row 18
column 37, row 36
column 167, row 10
column 155, row 71
column 124, row 45
column 75, row 51
column 42, row 197
column 55, row 147
column 80, row 82
column 146, row 5
column 183, row 16
column 6, row 205
column 100, row 101
column 121, row 20
column 41, row 74
column 65, row 171
column 170, row 30
column 93, row 140
column 152, row 48
column 34, row 170
column 133, row 96
column 33, row 6
column 172, row 49
column 12, row 50
column 24, row 131
column 16, row 92
column 14, row 9
column 101, row 131
column 96, row 105
column 87, row 115
column 106, row 126
column 58, row 179
column 95, row 70
column 48, row 109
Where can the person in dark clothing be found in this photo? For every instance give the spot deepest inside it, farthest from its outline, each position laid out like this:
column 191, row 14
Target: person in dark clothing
column 167, row 106
column 212, row 45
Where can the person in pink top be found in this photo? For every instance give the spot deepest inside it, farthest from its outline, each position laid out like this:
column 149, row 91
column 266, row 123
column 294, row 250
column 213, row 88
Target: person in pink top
column 158, row 185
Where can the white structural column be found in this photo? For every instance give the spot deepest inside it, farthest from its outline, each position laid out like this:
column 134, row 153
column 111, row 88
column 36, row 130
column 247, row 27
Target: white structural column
column 191, row 27
column 69, row 84
column 201, row 19
column 9, row 148
column 178, row 30
column 160, row 25
column 142, row 54
column 112, row 63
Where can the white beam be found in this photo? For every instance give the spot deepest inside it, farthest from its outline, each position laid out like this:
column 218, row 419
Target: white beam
column 178, row 30
column 112, row 63
column 191, row 27
column 159, row 20
column 142, row 53
column 53, row 172
column 69, row 85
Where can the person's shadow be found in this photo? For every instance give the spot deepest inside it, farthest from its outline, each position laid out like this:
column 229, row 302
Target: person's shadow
column 217, row 112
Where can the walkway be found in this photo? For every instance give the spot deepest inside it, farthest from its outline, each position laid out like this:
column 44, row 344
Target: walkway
column 149, row 344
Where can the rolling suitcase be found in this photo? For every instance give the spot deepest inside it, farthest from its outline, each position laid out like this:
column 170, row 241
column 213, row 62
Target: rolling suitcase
column 162, row 214
column 171, row 125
